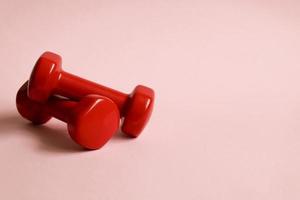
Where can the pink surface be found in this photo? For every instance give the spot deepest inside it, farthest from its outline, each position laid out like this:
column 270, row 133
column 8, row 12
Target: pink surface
column 226, row 124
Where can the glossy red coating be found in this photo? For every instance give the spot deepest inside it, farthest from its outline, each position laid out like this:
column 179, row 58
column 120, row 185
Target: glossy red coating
column 91, row 122
column 48, row 78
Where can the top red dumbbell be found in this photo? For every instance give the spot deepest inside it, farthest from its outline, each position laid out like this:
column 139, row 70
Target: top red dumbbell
column 48, row 78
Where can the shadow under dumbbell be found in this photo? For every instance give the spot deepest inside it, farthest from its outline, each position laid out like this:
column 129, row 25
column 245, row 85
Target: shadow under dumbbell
column 55, row 140
column 120, row 136
column 8, row 122
column 51, row 140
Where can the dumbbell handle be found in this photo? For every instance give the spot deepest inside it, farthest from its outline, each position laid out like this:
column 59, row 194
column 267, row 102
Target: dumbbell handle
column 60, row 108
column 75, row 87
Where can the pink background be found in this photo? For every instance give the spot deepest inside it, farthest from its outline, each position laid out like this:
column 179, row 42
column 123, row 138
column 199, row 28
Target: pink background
column 226, row 124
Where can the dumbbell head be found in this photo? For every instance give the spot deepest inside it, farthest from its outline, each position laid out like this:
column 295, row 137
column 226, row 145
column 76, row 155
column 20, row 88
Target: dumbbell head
column 44, row 76
column 34, row 112
column 138, row 110
column 94, row 121
column 91, row 123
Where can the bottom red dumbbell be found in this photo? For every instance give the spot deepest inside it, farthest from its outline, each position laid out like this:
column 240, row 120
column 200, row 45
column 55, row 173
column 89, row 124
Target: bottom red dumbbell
column 91, row 122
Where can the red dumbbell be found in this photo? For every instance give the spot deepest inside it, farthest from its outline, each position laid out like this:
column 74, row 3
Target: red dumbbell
column 48, row 78
column 91, row 122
